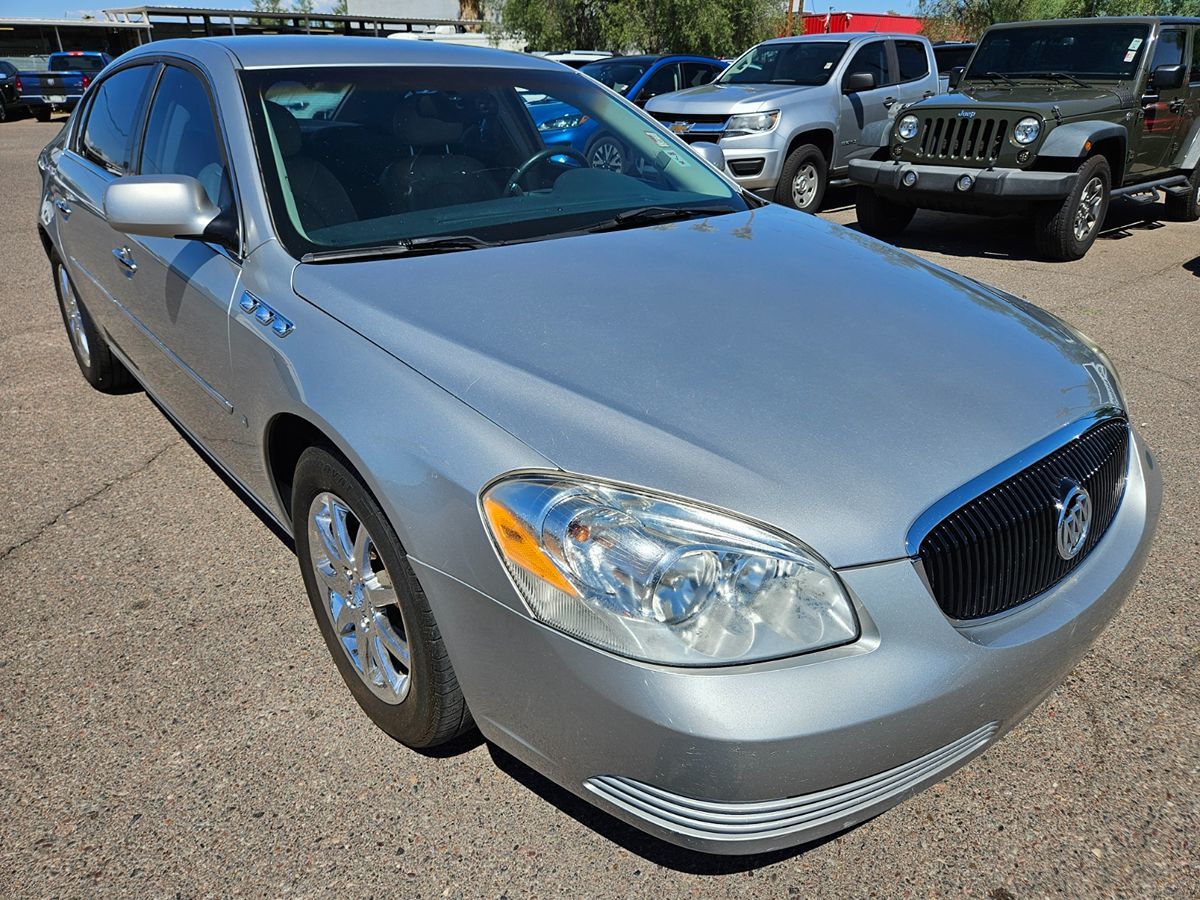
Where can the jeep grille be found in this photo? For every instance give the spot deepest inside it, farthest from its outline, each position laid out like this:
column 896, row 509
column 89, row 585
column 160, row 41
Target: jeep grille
column 948, row 137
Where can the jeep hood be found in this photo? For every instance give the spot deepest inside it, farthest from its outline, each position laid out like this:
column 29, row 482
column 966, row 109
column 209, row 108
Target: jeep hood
column 726, row 99
column 767, row 362
column 1072, row 101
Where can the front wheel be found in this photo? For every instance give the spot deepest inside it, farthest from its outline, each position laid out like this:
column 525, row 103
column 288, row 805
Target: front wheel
column 606, row 152
column 1185, row 207
column 370, row 607
column 1066, row 230
column 880, row 217
column 803, row 180
column 100, row 368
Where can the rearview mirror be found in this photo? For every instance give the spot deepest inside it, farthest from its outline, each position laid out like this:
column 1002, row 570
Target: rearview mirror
column 956, row 75
column 173, row 206
column 710, row 153
column 1169, row 78
column 858, row 81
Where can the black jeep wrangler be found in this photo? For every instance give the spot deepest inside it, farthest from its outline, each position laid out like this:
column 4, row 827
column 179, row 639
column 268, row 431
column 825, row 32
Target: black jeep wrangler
column 1053, row 119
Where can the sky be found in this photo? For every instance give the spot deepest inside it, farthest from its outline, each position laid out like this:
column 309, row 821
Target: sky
column 53, row 9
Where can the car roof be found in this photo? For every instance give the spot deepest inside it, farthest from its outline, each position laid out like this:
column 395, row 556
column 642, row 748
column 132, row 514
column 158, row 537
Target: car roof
column 840, row 36
column 1103, row 20
column 282, row 50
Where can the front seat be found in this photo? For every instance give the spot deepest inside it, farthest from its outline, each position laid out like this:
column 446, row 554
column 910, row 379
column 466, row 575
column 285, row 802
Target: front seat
column 433, row 176
column 320, row 199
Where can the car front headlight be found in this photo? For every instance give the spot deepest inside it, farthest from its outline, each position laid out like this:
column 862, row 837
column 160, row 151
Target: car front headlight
column 752, row 123
column 561, row 122
column 661, row 579
column 907, row 127
column 1027, row 130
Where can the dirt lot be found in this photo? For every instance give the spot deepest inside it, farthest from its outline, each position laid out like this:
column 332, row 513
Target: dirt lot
column 170, row 721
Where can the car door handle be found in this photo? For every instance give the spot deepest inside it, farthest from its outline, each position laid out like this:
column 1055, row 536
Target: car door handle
column 63, row 207
column 124, row 256
column 888, row 101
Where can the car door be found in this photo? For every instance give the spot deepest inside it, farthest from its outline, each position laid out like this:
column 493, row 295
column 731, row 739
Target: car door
column 662, row 79
column 185, row 287
column 1162, row 110
column 913, row 72
column 864, row 114
column 101, row 148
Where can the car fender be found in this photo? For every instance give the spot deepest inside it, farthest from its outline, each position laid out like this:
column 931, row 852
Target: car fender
column 1067, row 141
column 810, row 115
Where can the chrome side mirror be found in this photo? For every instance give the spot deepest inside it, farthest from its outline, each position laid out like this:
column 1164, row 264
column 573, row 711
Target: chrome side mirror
column 711, row 153
column 173, row 206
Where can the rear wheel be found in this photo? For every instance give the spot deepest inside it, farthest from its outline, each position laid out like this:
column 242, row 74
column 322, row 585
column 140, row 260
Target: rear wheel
column 370, row 607
column 880, row 217
column 803, row 179
column 3, row 111
column 1067, row 230
column 42, row 114
column 1185, row 207
column 100, row 368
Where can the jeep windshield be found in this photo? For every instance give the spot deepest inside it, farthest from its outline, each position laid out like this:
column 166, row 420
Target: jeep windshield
column 807, row 63
column 358, row 160
column 1100, row 52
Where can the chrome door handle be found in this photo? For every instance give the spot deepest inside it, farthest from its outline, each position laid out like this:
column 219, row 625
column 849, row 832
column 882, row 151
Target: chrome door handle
column 63, row 207
column 888, row 101
column 124, row 256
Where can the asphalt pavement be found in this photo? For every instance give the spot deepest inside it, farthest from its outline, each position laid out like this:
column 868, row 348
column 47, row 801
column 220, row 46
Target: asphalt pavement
column 170, row 722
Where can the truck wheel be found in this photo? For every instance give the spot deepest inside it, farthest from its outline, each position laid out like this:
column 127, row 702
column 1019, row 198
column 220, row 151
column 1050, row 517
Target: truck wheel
column 100, row 368
column 1186, row 207
column 880, row 217
column 1067, row 230
column 3, row 111
column 803, row 180
column 42, row 115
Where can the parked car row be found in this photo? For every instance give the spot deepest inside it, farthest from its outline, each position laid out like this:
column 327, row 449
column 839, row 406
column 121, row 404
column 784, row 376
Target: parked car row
column 57, row 88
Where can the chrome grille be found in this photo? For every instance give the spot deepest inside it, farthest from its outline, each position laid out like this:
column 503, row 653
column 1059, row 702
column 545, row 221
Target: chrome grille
column 952, row 138
column 999, row 550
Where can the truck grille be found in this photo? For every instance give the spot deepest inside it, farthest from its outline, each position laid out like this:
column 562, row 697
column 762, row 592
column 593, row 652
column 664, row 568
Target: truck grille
column 1000, row 549
column 693, row 127
column 953, row 138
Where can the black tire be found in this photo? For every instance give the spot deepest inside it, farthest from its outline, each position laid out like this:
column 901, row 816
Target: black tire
column 606, row 152
column 99, row 367
column 804, row 155
column 432, row 710
column 880, row 217
column 1055, row 227
column 42, row 115
column 1186, row 207
column 3, row 110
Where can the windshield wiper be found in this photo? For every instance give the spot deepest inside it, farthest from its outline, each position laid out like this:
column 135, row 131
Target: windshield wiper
column 406, row 247
column 1061, row 76
column 995, row 76
column 650, row 215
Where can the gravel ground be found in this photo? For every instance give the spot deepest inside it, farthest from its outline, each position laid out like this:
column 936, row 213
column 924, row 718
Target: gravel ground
column 170, row 721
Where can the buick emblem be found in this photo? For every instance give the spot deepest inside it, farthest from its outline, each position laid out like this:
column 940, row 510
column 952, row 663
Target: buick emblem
column 966, row 113
column 1074, row 519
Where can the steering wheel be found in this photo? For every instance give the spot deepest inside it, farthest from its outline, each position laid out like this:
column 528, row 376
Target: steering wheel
column 513, row 186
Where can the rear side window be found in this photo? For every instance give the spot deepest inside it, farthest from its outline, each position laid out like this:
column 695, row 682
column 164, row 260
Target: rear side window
column 871, row 58
column 913, row 62
column 181, row 136
column 113, row 117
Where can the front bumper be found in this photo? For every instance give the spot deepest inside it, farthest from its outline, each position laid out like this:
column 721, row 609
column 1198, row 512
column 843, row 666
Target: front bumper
column 1018, row 184
column 752, row 758
column 762, row 179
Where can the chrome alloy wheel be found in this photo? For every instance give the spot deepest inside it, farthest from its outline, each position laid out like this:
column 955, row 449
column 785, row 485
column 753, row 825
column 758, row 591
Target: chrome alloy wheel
column 804, row 186
column 359, row 597
column 75, row 324
column 1087, row 216
column 607, row 155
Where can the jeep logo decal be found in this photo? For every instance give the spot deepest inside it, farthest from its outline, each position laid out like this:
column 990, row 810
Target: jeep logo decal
column 966, row 113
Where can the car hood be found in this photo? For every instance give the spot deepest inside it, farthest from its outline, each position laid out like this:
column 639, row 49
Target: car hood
column 766, row 362
column 718, row 99
column 1071, row 101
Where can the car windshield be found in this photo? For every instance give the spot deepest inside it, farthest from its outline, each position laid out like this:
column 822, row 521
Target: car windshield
column 361, row 157
column 804, row 62
column 68, row 63
column 1104, row 51
column 618, row 74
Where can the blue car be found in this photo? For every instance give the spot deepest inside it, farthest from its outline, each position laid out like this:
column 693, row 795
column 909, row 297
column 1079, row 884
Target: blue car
column 637, row 78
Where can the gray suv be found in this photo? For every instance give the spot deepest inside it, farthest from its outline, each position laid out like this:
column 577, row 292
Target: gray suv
column 791, row 113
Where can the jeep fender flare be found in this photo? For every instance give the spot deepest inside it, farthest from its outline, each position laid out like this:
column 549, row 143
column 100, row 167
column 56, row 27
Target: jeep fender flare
column 1067, row 141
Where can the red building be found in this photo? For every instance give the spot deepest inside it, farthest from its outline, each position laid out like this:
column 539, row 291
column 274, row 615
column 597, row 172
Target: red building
column 837, row 22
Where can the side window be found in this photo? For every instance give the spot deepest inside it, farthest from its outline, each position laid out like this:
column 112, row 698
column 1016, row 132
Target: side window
column 1195, row 76
column 663, row 81
column 111, row 129
column 696, row 74
column 912, row 59
column 181, row 136
column 871, row 58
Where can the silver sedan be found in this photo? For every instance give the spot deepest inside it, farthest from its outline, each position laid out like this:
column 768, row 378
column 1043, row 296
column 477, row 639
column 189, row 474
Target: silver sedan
column 736, row 523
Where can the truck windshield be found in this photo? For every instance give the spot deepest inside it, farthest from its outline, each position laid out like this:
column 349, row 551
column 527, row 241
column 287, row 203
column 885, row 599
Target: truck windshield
column 806, row 63
column 1105, row 51
column 67, row 62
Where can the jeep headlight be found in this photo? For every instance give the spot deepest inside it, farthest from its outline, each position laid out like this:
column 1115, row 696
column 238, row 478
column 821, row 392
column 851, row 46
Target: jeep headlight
column 752, row 123
column 661, row 579
column 907, row 127
column 1027, row 130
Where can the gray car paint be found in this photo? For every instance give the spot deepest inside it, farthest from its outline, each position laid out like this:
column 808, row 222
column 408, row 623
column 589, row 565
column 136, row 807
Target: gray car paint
column 767, row 362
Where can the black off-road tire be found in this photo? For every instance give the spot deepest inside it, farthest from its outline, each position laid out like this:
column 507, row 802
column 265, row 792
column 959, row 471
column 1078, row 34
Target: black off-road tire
column 879, row 216
column 1055, row 224
column 1186, row 207
column 42, row 115
column 434, row 710
column 100, row 368
column 804, row 155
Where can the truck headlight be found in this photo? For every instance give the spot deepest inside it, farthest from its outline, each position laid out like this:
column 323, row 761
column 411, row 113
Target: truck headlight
column 1027, row 130
column 752, row 123
column 661, row 579
column 907, row 127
